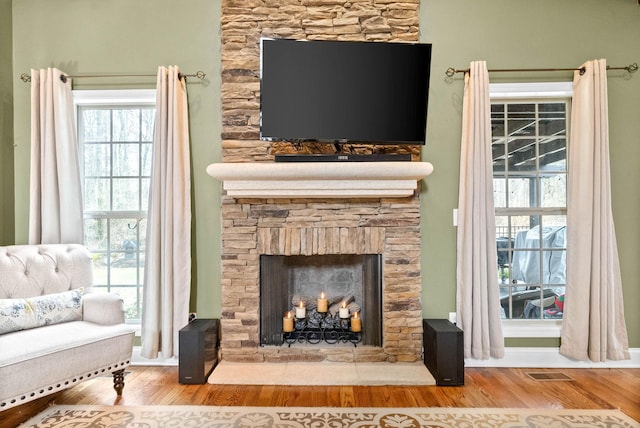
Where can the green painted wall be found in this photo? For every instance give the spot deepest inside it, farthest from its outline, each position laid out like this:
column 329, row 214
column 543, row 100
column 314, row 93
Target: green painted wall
column 6, row 124
column 123, row 36
column 528, row 34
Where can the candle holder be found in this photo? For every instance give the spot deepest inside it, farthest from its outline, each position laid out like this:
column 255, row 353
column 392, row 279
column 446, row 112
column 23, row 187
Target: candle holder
column 322, row 326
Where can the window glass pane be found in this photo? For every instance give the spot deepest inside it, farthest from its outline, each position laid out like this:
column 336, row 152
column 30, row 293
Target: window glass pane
column 97, row 161
column 556, row 310
column 124, row 236
column 520, row 226
column 555, row 260
column 553, row 154
column 499, row 156
column 497, row 120
column 521, row 119
column 95, row 234
column 556, row 268
column 552, row 119
column 146, row 159
column 521, row 193
column 144, row 189
column 522, row 154
column 124, row 269
column 148, row 120
column 504, row 247
column 500, row 192
column 142, row 236
column 525, row 267
column 96, row 194
column 126, row 194
column 100, row 268
column 126, row 159
column 132, row 297
column 96, row 125
column 126, row 125
column 559, row 220
column 553, row 190
column 502, row 225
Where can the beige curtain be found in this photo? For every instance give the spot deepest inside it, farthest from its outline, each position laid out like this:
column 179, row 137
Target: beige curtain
column 167, row 275
column 478, row 300
column 55, row 201
column 593, row 325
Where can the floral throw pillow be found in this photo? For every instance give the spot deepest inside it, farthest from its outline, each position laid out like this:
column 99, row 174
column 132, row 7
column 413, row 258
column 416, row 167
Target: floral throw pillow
column 31, row 312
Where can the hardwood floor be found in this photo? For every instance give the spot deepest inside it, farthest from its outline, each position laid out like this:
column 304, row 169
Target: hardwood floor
column 484, row 387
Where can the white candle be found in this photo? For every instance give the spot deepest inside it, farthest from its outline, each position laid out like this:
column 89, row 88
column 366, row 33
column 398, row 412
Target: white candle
column 356, row 323
column 301, row 311
column 323, row 303
column 287, row 323
column 344, row 310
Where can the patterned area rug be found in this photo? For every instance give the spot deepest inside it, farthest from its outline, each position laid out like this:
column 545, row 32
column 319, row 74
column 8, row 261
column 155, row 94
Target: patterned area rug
column 320, row 417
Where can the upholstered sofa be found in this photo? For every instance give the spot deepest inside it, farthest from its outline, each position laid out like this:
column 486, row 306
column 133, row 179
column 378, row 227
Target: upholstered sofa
column 55, row 330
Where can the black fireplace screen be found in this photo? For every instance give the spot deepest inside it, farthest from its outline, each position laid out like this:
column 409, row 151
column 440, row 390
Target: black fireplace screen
column 285, row 281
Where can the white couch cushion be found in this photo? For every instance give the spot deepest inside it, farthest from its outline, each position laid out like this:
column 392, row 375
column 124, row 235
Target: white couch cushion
column 77, row 350
column 38, row 311
column 29, row 344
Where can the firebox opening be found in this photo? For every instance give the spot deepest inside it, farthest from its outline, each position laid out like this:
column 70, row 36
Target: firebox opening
column 286, row 279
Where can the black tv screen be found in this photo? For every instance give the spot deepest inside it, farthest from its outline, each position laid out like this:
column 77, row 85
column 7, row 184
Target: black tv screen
column 343, row 91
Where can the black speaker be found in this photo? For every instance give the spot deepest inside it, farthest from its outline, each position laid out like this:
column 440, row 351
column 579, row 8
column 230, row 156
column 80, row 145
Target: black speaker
column 443, row 351
column 198, row 352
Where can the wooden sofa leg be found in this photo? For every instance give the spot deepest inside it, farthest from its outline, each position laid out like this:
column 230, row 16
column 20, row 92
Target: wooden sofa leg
column 118, row 381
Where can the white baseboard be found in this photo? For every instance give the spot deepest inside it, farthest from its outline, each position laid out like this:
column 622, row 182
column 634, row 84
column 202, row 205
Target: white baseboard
column 549, row 358
column 513, row 357
column 139, row 360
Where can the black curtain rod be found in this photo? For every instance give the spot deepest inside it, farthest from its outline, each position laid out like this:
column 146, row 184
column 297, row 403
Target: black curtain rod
column 199, row 74
column 632, row 68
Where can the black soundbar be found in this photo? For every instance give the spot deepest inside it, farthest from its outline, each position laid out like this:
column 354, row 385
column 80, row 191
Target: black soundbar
column 335, row 157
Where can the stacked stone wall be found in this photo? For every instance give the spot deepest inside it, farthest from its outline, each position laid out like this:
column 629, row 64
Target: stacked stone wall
column 245, row 22
column 251, row 227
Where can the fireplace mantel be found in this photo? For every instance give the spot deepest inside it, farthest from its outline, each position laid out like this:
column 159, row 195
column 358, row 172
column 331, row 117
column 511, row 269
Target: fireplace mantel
column 319, row 179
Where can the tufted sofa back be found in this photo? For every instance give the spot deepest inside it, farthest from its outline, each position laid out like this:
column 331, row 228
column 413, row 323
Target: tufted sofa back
column 34, row 270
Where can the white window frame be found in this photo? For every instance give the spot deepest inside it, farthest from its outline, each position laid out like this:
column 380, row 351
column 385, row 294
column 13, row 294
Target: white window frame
column 114, row 97
column 537, row 91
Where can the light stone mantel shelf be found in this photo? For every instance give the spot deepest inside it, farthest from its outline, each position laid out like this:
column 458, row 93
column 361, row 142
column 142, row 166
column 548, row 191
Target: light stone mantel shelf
column 319, row 179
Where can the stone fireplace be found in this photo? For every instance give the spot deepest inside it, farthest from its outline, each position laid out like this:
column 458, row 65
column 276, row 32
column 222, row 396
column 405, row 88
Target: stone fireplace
column 288, row 227
column 308, row 220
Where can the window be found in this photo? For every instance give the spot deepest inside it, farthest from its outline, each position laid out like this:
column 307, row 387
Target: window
column 529, row 150
column 115, row 134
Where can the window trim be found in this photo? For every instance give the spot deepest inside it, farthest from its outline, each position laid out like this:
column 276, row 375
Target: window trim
column 530, row 90
column 113, row 96
column 538, row 91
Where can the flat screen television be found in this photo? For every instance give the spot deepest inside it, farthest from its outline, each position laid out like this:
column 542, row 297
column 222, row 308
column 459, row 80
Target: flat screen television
column 344, row 91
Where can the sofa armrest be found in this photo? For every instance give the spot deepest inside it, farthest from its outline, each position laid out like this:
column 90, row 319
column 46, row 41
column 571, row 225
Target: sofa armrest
column 103, row 308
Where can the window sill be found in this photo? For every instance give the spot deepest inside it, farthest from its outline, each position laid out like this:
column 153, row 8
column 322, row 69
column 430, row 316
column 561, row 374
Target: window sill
column 531, row 328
